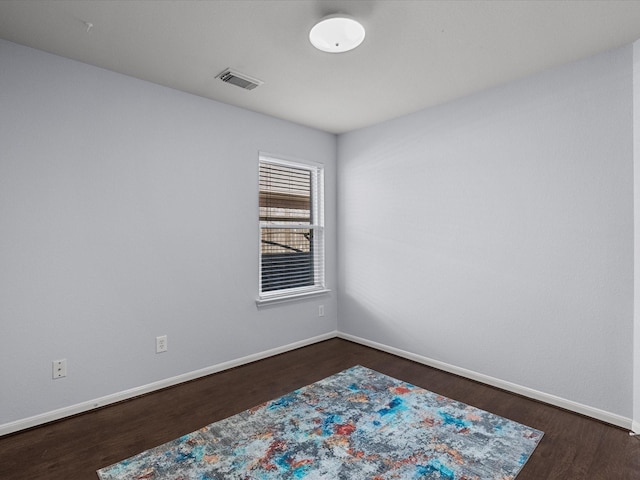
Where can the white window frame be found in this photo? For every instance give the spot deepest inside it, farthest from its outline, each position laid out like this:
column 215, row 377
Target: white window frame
column 317, row 225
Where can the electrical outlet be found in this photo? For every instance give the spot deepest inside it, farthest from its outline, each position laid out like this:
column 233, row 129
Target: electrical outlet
column 161, row 344
column 59, row 368
column 321, row 310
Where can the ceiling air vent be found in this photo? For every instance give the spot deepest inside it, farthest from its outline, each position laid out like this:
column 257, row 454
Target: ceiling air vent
column 239, row 79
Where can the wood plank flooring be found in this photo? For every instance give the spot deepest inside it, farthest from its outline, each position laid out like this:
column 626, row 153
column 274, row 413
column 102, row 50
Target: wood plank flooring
column 574, row 447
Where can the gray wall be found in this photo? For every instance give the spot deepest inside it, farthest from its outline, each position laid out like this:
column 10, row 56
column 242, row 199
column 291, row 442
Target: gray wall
column 636, row 191
column 495, row 233
column 127, row 211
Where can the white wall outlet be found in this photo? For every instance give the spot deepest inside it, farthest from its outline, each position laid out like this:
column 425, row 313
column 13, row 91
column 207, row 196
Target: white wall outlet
column 321, row 310
column 161, row 344
column 59, row 368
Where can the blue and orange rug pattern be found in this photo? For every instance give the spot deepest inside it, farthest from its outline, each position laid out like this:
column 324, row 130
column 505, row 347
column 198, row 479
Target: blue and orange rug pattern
column 358, row 424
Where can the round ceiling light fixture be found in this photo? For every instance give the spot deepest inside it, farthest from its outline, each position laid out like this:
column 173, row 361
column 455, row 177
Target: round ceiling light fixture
column 337, row 34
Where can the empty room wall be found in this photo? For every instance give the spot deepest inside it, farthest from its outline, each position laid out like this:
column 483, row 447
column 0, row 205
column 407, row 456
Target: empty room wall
column 128, row 211
column 636, row 190
column 495, row 233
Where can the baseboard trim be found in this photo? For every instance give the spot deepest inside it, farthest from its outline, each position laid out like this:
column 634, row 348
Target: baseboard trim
column 53, row 415
column 570, row 405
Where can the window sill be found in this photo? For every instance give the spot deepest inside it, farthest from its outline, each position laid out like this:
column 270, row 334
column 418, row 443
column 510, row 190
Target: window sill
column 271, row 300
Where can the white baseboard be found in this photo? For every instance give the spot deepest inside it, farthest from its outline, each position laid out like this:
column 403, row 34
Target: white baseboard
column 169, row 382
column 570, row 405
column 134, row 392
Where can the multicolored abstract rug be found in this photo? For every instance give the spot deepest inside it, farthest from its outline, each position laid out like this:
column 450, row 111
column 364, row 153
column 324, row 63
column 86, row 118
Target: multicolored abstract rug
column 357, row 424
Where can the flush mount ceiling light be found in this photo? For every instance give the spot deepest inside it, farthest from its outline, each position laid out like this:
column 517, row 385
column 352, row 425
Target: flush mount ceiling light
column 336, row 34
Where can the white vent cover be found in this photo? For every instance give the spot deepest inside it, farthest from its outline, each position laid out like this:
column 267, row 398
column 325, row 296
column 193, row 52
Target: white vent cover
column 239, row 79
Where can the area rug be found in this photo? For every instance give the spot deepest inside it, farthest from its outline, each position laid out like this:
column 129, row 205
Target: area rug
column 357, row 424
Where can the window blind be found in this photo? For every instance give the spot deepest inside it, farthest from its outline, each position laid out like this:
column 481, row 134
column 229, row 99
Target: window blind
column 291, row 227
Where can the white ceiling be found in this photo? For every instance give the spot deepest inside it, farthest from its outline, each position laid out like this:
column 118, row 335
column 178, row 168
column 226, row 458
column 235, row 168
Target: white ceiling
column 416, row 53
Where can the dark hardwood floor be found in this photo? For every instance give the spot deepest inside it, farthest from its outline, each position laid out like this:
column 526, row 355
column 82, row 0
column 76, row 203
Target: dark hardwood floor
column 574, row 447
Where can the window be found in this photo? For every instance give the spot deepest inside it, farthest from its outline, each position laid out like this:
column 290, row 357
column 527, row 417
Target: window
column 291, row 229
